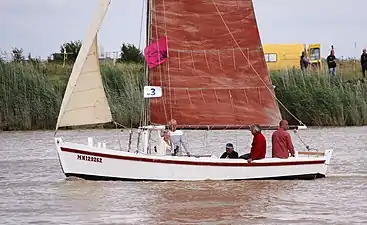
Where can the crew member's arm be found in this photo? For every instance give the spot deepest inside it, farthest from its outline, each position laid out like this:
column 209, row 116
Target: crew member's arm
column 184, row 144
column 224, row 155
column 290, row 145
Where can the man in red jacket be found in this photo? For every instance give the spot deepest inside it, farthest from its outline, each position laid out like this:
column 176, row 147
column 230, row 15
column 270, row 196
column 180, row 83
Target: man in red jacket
column 258, row 149
column 282, row 142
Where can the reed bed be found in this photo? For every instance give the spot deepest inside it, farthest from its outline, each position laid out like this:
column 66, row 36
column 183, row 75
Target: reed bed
column 31, row 95
column 321, row 100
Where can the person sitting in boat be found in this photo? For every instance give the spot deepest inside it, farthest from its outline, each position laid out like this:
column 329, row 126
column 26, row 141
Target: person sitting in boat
column 177, row 139
column 258, row 149
column 281, row 142
column 230, row 152
column 166, row 142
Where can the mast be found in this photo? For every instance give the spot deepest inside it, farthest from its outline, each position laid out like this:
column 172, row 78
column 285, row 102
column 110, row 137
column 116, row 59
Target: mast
column 146, row 108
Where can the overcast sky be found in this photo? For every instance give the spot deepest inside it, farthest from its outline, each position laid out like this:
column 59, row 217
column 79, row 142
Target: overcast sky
column 41, row 26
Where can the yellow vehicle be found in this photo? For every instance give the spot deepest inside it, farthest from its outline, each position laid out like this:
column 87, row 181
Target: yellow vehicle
column 287, row 56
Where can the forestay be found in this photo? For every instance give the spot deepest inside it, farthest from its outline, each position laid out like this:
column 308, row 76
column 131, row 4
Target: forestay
column 85, row 100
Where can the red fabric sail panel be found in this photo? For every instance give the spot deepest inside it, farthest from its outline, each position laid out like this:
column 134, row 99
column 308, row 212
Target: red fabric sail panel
column 212, row 76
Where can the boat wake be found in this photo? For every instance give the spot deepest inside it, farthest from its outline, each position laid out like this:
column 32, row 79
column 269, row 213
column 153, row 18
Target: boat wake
column 347, row 175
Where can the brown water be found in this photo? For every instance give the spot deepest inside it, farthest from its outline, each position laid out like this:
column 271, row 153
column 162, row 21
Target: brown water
column 33, row 189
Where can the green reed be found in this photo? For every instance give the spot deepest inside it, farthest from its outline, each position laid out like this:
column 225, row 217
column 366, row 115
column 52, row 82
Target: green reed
column 124, row 84
column 28, row 99
column 31, row 95
column 319, row 99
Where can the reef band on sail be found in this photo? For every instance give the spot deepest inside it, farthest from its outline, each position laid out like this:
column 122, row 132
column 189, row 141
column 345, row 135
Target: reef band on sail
column 224, row 127
column 89, row 158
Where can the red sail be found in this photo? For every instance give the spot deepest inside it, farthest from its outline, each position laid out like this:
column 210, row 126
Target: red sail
column 216, row 73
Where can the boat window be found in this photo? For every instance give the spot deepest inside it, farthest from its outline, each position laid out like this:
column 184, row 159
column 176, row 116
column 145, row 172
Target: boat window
column 271, row 57
column 314, row 54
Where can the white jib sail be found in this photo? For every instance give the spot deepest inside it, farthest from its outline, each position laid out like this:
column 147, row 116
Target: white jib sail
column 85, row 100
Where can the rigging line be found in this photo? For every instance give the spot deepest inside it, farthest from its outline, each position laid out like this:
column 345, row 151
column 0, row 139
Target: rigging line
column 119, row 124
column 160, row 66
column 168, row 71
column 252, row 67
column 307, row 146
column 141, row 22
column 118, row 135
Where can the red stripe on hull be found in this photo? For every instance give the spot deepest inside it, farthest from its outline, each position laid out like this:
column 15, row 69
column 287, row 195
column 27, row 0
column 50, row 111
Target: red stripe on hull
column 132, row 158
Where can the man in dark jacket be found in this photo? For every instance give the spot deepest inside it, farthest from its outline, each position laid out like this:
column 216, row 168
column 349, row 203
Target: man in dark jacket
column 331, row 63
column 229, row 153
column 364, row 63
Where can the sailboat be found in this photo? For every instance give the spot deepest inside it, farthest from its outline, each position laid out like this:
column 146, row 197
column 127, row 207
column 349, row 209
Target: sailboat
column 205, row 69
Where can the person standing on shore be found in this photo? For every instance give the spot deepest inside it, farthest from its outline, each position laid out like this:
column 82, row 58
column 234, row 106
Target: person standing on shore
column 304, row 62
column 331, row 63
column 364, row 63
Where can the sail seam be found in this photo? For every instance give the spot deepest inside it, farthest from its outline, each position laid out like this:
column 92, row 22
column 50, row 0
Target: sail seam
column 214, row 88
column 89, row 89
column 76, row 109
column 208, row 50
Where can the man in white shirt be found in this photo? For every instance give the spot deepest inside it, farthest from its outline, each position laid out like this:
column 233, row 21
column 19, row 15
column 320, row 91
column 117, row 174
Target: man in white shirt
column 177, row 139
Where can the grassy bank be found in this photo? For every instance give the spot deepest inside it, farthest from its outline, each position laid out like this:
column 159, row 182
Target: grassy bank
column 319, row 100
column 31, row 95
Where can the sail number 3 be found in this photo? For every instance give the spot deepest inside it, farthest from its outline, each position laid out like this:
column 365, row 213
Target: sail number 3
column 152, row 92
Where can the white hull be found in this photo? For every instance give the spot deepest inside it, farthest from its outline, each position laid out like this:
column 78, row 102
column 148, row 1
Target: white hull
column 104, row 164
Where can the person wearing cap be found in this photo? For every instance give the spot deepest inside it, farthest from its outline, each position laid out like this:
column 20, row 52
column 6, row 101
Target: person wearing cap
column 258, row 149
column 229, row 153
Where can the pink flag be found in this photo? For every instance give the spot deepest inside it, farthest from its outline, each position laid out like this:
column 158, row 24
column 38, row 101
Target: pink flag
column 156, row 53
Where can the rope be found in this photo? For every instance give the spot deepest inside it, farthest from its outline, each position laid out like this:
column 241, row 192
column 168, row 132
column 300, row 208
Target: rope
column 141, row 22
column 169, row 77
column 229, row 31
column 160, row 67
column 118, row 134
column 307, row 147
